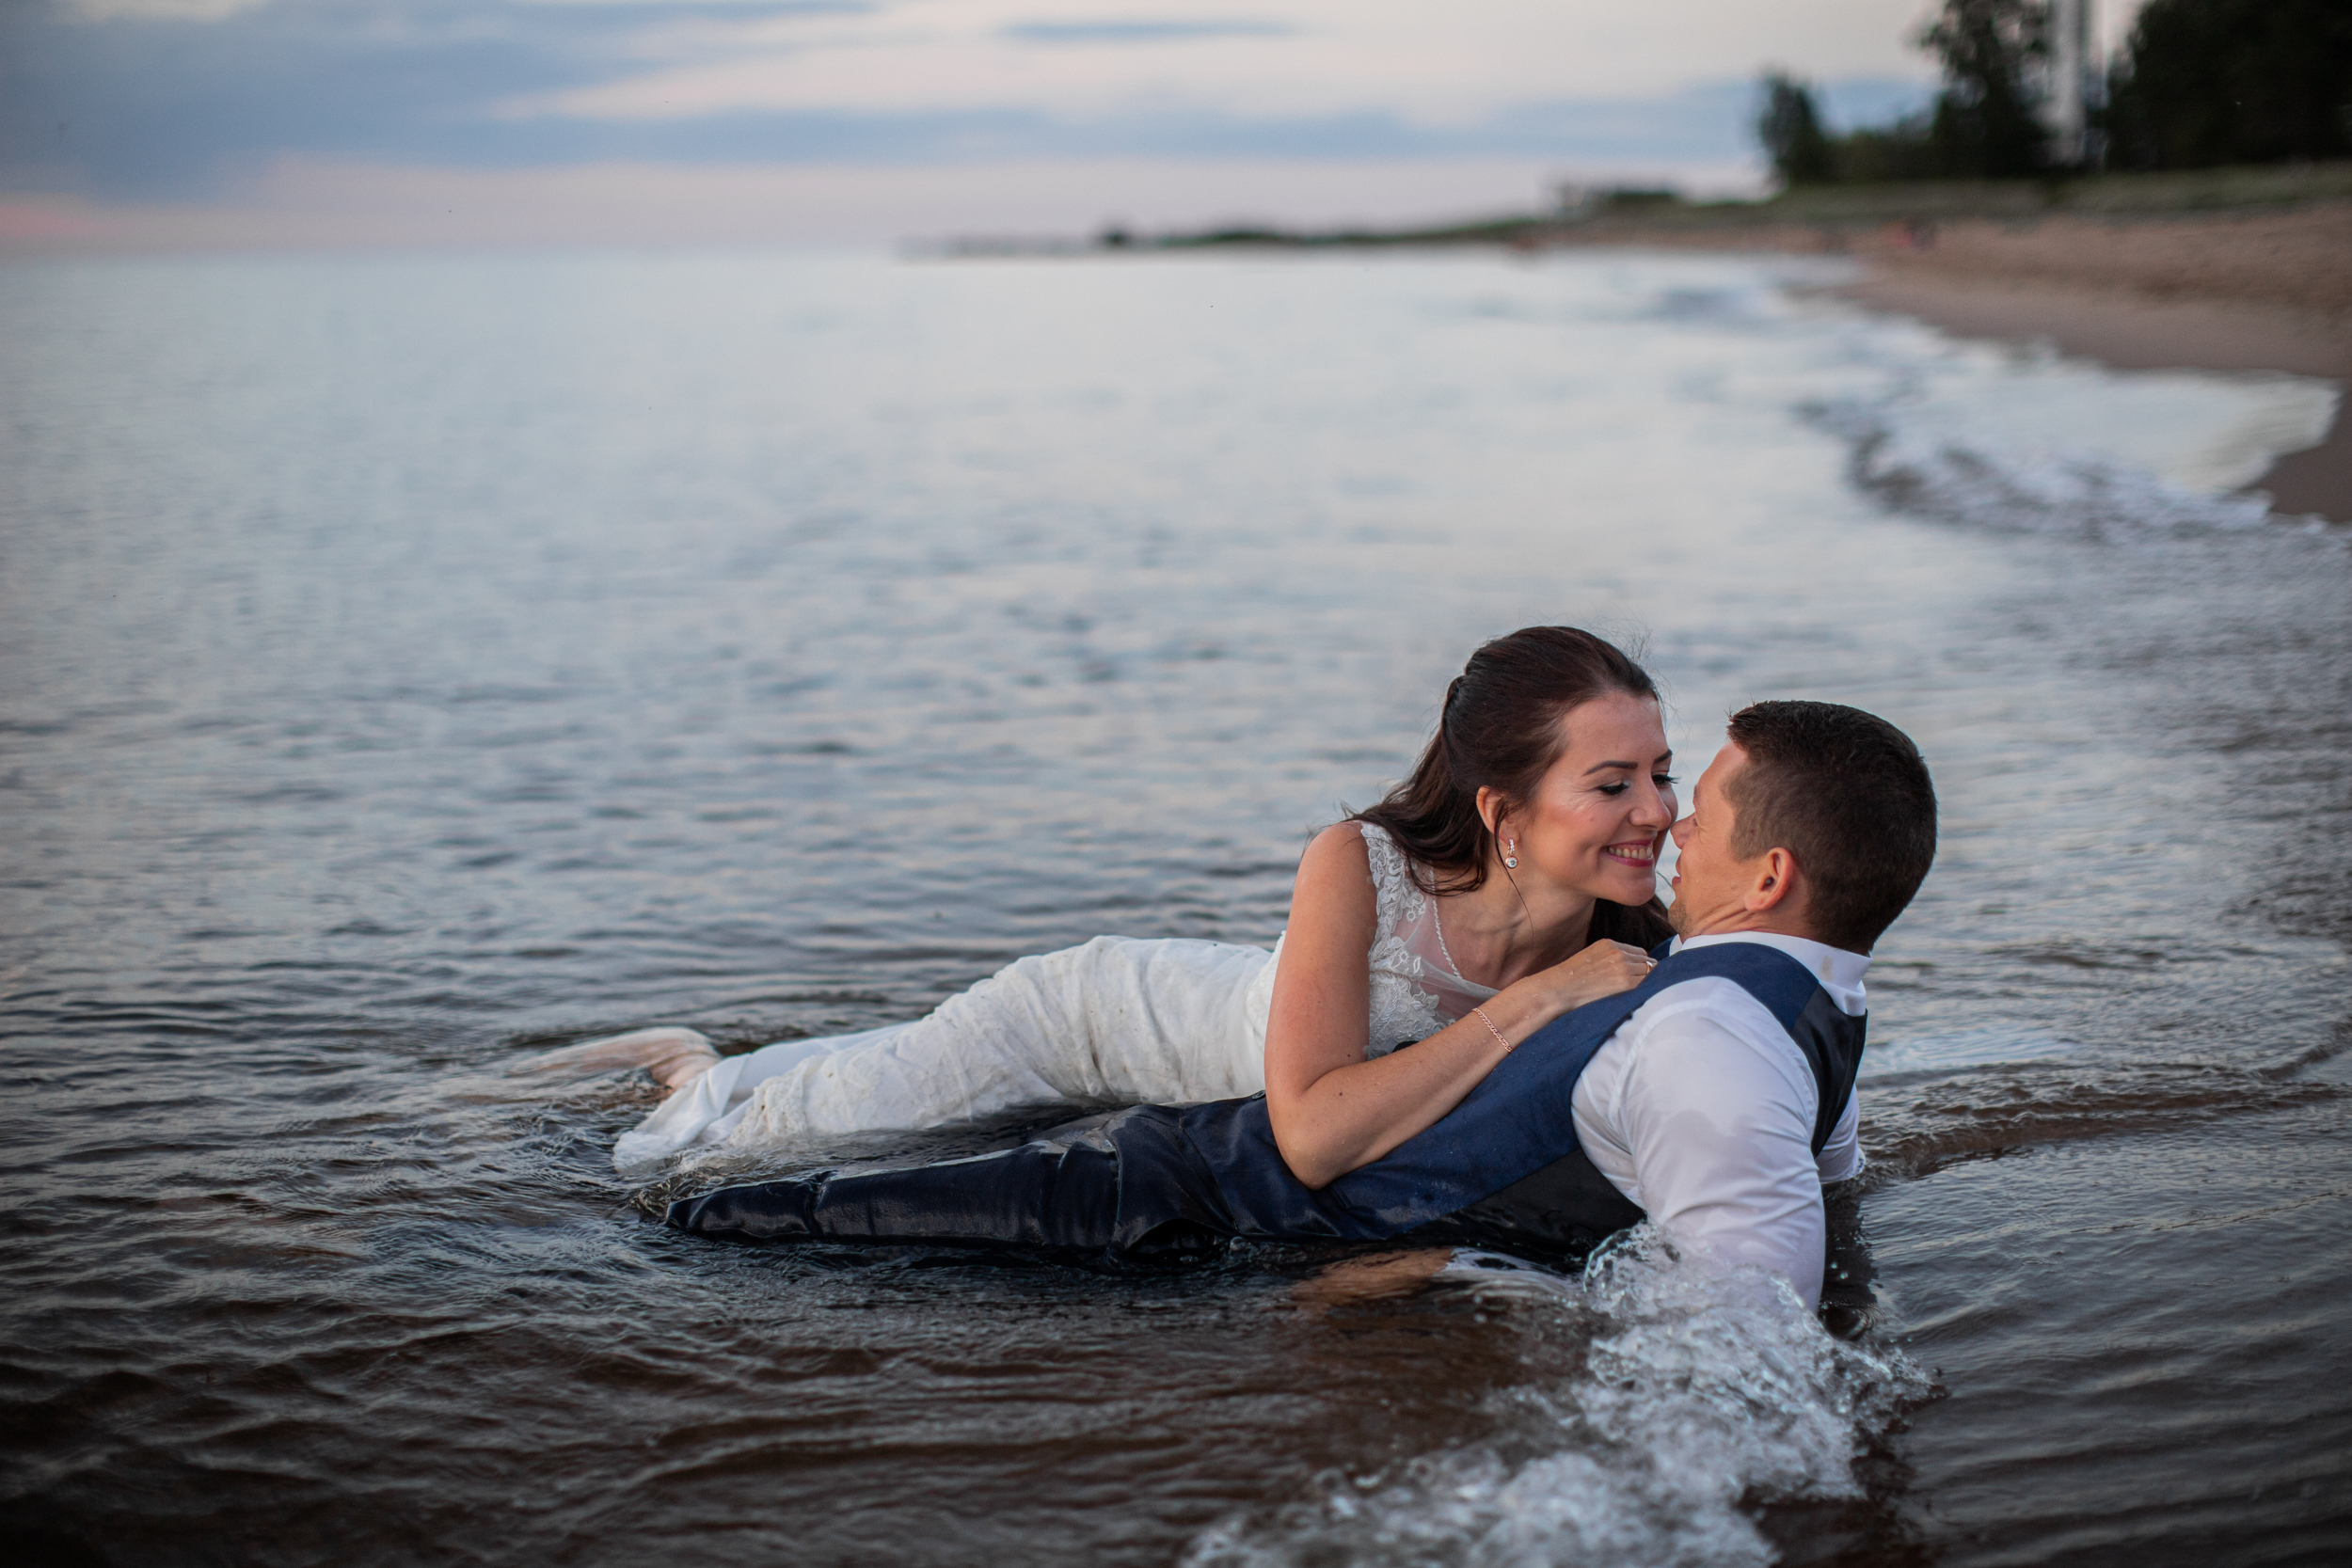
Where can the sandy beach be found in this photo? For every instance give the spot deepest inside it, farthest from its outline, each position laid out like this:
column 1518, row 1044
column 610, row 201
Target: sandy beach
column 2236, row 293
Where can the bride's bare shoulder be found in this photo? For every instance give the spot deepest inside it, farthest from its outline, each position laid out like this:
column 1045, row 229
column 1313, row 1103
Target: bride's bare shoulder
column 1335, row 875
column 1341, row 845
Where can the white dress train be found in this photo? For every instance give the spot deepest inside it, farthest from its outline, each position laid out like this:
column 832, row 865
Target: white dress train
column 1115, row 1021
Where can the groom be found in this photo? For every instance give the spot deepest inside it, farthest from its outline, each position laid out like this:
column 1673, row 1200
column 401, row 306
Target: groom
column 1715, row 1098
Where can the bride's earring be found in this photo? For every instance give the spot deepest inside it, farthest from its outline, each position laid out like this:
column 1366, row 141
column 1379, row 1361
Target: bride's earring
column 1510, row 854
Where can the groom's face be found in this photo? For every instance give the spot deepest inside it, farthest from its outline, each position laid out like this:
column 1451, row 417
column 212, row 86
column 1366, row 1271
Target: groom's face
column 1711, row 883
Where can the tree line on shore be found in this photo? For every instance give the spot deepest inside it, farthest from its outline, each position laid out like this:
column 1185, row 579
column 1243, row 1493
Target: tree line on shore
column 2199, row 83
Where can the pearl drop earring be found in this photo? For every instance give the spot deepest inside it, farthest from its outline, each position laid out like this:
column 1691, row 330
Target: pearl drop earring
column 1510, row 855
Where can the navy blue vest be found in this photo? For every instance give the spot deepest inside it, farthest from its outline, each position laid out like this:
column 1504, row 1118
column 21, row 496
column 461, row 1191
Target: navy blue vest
column 1507, row 1161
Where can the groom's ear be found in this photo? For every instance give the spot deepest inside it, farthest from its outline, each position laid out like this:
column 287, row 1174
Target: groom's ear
column 1773, row 883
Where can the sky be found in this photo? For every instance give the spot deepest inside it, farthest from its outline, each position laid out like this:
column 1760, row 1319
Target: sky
column 369, row 121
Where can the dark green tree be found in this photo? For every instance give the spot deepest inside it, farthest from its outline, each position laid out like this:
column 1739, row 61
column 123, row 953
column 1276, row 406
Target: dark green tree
column 1902, row 150
column 2206, row 81
column 1790, row 130
column 1986, row 125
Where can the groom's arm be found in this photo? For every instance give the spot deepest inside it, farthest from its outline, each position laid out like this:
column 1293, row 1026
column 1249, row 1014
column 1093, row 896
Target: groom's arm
column 1716, row 1111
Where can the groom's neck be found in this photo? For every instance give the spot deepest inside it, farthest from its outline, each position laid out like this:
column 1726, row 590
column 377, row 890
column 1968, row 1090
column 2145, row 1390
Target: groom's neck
column 1740, row 922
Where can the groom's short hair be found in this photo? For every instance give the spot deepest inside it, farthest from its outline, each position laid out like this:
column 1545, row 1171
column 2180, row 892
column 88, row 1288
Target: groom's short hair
column 1848, row 796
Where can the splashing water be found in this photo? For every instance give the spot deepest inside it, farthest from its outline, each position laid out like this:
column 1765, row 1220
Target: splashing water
column 1694, row 1391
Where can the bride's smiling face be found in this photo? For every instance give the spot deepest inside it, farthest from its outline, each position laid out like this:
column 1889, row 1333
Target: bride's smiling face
column 1596, row 819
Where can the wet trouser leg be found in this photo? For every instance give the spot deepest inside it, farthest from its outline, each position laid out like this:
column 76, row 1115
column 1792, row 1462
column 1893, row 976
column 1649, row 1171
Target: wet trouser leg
column 1039, row 1194
column 1124, row 1182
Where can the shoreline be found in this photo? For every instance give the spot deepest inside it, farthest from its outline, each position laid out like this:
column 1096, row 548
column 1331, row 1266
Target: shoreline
column 2223, row 293
column 2228, row 270
column 2135, row 332
column 2223, row 270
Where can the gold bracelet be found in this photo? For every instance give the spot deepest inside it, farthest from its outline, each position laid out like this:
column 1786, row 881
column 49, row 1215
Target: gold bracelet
column 1507, row 1046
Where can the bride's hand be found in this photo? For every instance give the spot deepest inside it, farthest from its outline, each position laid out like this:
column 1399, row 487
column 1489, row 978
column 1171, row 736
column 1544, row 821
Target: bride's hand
column 1604, row 969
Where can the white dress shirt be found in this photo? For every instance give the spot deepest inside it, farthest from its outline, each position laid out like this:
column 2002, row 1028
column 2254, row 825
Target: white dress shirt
column 1700, row 1109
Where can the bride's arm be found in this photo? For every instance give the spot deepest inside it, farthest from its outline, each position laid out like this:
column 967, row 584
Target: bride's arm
column 1331, row 1109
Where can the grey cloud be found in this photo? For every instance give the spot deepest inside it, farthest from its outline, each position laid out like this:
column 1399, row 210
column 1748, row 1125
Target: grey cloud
column 1113, row 31
column 155, row 109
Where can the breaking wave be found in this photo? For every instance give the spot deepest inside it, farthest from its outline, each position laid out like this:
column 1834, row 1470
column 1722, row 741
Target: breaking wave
column 1928, row 473
column 2022, row 439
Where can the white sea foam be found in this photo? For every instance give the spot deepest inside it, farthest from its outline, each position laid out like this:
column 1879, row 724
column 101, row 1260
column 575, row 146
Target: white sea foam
column 1924, row 468
column 2025, row 441
column 1702, row 1391
column 1992, row 437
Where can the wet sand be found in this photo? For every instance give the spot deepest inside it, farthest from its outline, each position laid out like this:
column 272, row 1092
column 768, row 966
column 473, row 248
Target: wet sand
column 2238, row 292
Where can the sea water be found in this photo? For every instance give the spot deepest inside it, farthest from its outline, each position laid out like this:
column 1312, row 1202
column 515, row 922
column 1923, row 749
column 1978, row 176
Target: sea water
column 412, row 662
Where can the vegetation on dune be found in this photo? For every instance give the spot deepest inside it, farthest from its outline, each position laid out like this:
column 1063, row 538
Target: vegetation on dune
column 2201, row 84
column 1985, row 124
column 2211, row 82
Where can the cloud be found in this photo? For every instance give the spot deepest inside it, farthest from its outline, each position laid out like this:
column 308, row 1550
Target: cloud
column 164, row 10
column 1113, row 31
column 1296, row 58
column 186, row 99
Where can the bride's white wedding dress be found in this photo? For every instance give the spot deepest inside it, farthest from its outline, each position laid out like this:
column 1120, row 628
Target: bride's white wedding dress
column 1116, row 1020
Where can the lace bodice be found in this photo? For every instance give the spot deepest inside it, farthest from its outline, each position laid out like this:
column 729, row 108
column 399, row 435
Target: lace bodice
column 1416, row 989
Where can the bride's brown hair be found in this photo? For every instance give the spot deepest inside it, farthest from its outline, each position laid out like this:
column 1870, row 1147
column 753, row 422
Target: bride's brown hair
column 1500, row 729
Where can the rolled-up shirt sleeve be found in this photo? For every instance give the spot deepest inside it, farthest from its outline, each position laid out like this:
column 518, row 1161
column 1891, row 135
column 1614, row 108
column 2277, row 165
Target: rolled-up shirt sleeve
column 1721, row 1133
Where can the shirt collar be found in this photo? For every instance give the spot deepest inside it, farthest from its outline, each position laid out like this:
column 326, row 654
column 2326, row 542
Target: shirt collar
column 1840, row 972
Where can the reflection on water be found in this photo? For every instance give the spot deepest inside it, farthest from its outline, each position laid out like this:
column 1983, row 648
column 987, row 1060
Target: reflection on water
column 413, row 663
column 1963, row 1047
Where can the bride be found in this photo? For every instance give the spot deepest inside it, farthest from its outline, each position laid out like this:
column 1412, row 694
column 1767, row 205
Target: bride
column 1507, row 881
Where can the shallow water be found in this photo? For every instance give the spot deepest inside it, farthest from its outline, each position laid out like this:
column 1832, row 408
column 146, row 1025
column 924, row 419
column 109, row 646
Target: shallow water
column 413, row 662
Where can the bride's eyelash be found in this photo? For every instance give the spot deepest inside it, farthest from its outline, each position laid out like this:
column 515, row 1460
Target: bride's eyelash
column 1661, row 780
